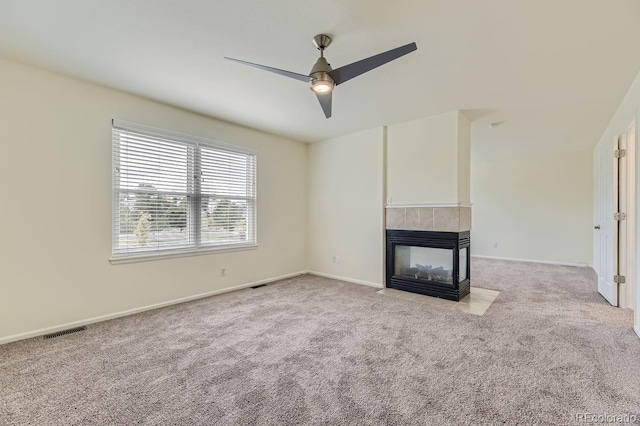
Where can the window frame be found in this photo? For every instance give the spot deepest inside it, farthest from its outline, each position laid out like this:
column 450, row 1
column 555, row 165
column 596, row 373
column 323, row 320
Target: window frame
column 198, row 144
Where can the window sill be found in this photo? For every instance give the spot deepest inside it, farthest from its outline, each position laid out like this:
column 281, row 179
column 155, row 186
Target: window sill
column 173, row 255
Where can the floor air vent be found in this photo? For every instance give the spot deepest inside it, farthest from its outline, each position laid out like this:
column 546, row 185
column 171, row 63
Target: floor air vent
column 63, row 332
column 258, row 286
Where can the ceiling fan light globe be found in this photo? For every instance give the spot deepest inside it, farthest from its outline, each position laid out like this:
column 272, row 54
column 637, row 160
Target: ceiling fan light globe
column 321, row 86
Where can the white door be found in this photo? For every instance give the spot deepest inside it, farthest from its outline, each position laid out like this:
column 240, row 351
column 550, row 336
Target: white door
column 607, row 228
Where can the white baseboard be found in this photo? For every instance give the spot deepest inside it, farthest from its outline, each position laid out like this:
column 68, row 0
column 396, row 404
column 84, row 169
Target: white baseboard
column 547, row 262
column 349, row 280
column 637, row 330
column 56, row 328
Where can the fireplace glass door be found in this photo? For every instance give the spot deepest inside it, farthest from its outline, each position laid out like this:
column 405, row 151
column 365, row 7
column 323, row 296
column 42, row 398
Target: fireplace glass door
column 425, row 263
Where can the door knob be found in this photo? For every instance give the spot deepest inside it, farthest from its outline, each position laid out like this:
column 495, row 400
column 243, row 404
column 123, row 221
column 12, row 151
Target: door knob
column 596, row 227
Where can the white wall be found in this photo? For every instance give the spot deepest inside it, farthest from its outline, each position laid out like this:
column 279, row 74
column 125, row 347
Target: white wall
column 55, row 177
column 535, row 208
column 346, row 206
column 422, row 160
column 627, row 112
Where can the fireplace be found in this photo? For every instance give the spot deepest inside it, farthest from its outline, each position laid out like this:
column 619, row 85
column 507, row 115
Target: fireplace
column 429, row 262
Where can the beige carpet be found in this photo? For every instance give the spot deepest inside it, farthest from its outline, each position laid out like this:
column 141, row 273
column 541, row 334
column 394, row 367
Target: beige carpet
column 311, row 350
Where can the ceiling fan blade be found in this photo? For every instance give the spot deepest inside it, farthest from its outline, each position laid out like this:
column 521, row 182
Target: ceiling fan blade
column 347, row 72
column 289, row 74
column 325, row 103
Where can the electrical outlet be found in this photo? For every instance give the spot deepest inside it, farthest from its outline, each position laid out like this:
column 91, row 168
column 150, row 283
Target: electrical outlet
column 495, row 245
column 223, row 272
column 337, row 259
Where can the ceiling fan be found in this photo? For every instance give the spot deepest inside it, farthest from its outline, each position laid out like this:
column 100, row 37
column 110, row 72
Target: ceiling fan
column 323, row 78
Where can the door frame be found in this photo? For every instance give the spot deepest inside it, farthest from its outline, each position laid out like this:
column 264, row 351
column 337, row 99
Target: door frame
column 634, row 252
column 628, row 289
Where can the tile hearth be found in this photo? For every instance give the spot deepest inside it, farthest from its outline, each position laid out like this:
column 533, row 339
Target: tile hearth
column 476, row 303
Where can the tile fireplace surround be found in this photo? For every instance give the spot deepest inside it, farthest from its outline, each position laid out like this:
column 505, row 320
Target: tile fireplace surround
column 429, row 218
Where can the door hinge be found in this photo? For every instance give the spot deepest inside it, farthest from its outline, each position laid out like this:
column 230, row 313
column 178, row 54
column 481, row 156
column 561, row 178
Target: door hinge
column 619, row 153
column 620, row 279
column 619, row 216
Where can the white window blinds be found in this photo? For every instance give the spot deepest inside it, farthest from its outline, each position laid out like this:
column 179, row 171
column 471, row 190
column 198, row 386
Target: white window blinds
column 178, row 193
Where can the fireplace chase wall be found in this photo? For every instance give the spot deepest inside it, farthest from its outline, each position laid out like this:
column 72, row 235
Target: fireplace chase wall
column 428, row 250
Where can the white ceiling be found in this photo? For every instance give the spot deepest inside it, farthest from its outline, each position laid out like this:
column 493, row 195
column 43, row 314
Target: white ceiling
column 553, row 70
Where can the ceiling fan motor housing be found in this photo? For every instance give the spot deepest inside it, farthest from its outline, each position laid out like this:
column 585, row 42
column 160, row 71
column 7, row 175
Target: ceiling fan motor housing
column 320, row 73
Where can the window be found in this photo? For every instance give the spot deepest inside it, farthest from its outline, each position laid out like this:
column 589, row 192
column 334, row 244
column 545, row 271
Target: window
column 174, row 193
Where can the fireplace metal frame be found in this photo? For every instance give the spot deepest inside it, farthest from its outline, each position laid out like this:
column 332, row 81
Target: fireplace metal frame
column 446, row 240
